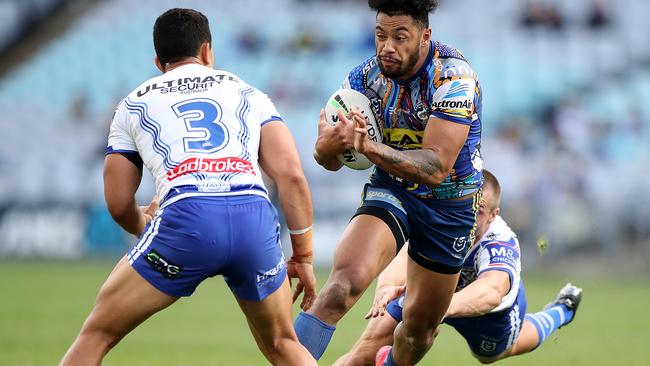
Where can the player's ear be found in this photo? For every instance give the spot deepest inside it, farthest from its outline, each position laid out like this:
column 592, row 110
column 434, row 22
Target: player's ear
column 159, row 65
column 495, row 213
column 206, row 55
column 426, row 37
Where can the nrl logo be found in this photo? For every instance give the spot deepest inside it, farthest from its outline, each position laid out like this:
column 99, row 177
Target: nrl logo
column 460, row 243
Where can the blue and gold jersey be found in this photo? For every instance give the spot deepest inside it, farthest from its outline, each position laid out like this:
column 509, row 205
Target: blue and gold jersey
column 445, row 87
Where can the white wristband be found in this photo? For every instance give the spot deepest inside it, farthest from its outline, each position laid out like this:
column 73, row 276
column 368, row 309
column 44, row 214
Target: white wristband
column 300, row 231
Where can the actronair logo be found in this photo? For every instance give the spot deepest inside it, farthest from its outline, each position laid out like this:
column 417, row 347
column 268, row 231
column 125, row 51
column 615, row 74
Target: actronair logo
column 454, row 104
column 457, row 90
column 222, row 165
column 457, row 96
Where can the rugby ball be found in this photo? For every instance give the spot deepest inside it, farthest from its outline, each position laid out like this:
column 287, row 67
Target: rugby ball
column 345, row 99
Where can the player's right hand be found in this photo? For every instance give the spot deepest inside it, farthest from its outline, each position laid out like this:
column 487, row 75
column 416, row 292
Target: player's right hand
column 361, row 140
column 334, row 139
column 304, row 272
column 384, row 295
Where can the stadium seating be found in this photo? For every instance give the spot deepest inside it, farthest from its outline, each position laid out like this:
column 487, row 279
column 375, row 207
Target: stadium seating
column 66, row 92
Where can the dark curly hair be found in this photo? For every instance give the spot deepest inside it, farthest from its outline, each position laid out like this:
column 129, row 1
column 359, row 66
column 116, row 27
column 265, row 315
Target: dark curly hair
column 416, row 9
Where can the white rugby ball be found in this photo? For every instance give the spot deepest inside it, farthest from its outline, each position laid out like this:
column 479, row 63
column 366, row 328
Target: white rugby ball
column 345, row 99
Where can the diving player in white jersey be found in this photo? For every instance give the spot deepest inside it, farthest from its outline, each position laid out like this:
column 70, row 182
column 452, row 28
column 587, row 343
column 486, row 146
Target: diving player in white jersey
column 489, row 307
column 205, row 135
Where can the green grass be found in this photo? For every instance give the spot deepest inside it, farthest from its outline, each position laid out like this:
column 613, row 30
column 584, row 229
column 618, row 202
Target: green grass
column 43, row 304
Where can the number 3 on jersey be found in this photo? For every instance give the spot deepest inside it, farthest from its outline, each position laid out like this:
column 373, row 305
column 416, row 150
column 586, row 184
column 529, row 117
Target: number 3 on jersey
column 202, row 119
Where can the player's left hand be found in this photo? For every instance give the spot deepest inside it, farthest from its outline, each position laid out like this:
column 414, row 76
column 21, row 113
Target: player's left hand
column 304, row 272
column 361, row 139
column 150, row 211
column 147, row 214
column 384, row 295
column 334, row 139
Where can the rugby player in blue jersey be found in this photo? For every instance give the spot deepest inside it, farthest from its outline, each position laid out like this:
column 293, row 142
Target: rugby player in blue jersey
column 426, row 183
column 489, row 307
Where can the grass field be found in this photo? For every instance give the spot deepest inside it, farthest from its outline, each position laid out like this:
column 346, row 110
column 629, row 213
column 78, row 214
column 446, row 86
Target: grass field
column 43, row 304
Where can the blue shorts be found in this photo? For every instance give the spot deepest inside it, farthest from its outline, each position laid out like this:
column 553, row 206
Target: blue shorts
column 200, row 237
column 489, row 335
column 439, row 231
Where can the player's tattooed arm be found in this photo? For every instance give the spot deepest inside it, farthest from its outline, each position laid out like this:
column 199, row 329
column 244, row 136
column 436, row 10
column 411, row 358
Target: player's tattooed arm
column 429, row 165
column 418, row 166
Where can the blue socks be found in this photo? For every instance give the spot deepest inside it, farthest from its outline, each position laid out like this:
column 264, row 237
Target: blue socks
column 548, row 320
column 313, row 333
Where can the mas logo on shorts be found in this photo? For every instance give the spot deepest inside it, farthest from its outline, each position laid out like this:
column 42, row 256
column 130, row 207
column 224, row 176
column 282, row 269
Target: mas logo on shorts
column 162, row 265
column 460, row 243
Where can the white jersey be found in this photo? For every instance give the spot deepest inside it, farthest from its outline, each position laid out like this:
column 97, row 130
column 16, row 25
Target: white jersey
column 197, row 130
column 498, row 249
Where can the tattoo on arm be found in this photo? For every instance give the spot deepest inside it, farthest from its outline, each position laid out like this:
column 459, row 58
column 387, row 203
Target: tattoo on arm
column 418, row 166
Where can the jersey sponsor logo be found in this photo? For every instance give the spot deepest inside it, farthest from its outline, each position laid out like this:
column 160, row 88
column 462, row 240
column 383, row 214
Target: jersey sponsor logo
column 458, row 96
column 501, row 254
column 454, row 104
column 383, row 195
column 162, row 265
column 211, row 184
column 187, row 84
column 404, row 138
column 262, row 277
column 369, row 65
column 437, row 64
column 201, row 165
column 458, row 70
column 457, row 90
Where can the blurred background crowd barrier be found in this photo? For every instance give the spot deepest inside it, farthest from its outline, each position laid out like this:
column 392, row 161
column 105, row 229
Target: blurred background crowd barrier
column 566, row 123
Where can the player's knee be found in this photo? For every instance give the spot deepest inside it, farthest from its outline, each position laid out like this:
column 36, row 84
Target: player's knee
column 341, row 290
column 101, row 338
column 418, row 327
column 336, row 296
column 419, row 336
column 277, row 349
column 354, row 280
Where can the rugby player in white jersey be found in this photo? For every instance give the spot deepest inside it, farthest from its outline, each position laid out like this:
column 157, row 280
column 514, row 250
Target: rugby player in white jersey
column 204, row 134
column 489, row 305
